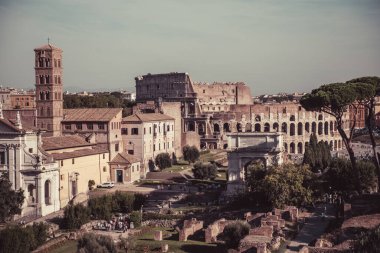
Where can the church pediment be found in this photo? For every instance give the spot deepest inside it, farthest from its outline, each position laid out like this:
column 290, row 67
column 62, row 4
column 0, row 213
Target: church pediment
column 7, row 127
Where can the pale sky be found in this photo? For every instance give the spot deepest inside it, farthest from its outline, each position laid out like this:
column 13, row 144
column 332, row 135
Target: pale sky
column 273, row 46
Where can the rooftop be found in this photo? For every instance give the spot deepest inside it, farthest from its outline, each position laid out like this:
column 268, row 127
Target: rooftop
column 124, row 158
column 47, row 47
column 146, row 117
column 90, row 114
column 62, row 142
column 78, row 153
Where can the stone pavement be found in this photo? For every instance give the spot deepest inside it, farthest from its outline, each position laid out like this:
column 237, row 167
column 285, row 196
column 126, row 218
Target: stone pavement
column 313, row 228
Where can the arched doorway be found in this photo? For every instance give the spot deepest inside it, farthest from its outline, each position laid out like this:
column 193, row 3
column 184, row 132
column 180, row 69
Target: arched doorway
column 320, row 128
column 300, row 128
column 292, row 148
column 292, row 129
column 326, row 128
column 284, row 128
column 266, row 127
column 238, row 127
column 31, row 196
column 275, row 127
column 190, row 126
column 307, row 127
column 314, row 128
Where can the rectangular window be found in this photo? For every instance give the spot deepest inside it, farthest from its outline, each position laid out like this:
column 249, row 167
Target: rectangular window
column 90, row 126
column 104, row 156
column 144, row 131
column 104, row 169
column 133, row 169
column 2, row 157
column 30, row 150
column 79, row 126
column 62, row 177
column 73, row 161
column 117, row 147
column 135, row 131
column 154, row 147
column 150, row 130
column 62, row 163
column 131, row 152
column 101, row 126
column 124, row 131
column 137, row 167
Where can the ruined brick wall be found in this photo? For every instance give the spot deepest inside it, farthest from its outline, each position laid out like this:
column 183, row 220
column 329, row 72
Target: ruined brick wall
column 214, row 229
column 169, row 86
column 190, row 138
column 262, row 231
column 189, row 228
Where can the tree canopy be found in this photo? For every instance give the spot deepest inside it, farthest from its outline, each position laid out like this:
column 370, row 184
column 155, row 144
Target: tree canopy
column 11, row 200
column 163, row 161
column 204, row 171
column 190, row 154
column 317, row 154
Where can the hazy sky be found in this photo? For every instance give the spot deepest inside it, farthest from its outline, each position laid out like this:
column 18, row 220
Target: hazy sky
column 273, row 46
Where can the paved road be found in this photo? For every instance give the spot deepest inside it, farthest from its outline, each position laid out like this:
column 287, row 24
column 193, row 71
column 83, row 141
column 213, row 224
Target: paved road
column 313, row 228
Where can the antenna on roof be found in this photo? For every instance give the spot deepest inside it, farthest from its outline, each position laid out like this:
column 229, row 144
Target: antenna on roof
column 48, row 41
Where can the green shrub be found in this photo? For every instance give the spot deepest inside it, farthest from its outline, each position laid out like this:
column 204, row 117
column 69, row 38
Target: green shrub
column 368, row 242
column 101, row 207
column 135, row 217
column 204, row 171
column 75, row 216
column 163, row 161
column 234, row 232
column 18, row 239
column 91, row 243
column 91, row 184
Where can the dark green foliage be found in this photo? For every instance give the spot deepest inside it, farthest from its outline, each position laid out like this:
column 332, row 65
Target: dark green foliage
column 368, row 242
column 120, row 202
column 234, row 232
column 151, row 165
column 10, row 200
column 91, row 184
column 135, row 217
column 190, row 154
column 18, row 239
column 204, row 171
column 75, row 216
column 101, row 207
column 163, row 161
column 91, row 243
column 317, row 154
column 174, row 159
column 277, row 187
column 341, row 176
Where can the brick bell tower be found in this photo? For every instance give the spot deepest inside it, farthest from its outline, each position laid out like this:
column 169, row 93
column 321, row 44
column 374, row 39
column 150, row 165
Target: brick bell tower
column 49, row 100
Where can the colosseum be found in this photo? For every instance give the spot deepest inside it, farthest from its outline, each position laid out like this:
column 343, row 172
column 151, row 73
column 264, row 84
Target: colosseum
column 214, row 110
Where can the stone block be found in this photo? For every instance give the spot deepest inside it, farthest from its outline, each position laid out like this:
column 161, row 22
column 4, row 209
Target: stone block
column 158, row 235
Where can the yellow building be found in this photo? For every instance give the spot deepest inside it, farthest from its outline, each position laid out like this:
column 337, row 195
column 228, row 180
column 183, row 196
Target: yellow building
column 125, row 168
column 79, row 162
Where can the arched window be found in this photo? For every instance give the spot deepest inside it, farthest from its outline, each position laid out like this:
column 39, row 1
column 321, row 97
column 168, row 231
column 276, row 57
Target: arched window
column 216, row 128
column 320, row 128
column 238, row 127
column 284, row 128
column 292, row 118
column 292, row 129
column 300, row 128
column 266, row 127
column 257, row 127
column 320, row 117
column 314, row 128
column 299, row 148
column 226, row 127
column 286, row 147
column 275, row 127
column 292, row 148
column 248, row 127
column 47, row 95
column 326, row 128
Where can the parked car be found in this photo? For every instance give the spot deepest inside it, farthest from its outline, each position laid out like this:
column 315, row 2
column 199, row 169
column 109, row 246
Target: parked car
column 106, row 185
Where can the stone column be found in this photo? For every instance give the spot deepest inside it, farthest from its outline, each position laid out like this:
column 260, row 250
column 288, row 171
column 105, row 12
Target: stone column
column 11, row 164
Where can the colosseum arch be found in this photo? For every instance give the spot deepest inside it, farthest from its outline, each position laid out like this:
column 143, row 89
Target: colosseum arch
column 216, row 128
column 292, row 118
column 320, row 128
column 292, row 129
column 331, row 145
column 292, row 148
column 335, row 145
column 307, row 127
column 314, row 128
column 284, row 128
column 201, row 128
column 320, row 117
column 286, row 147
column 326, row 128
column 331, row 127
column 226, row 128
column 275, row 127
column 257, row 127
column 299, row 148
column 266, row 127
column 248, row 127
column 300, row 128
column 239, row 127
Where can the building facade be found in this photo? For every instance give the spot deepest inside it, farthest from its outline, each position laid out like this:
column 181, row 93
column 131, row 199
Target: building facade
column 125, row 168
column 78, row 162
column 23, row 100
column 147, row 135
column 49, row 81
column 29, row 168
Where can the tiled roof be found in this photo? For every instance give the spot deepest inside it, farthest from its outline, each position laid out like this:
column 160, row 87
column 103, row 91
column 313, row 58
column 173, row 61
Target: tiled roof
column 10, row 125
column 48, row 47
column 78, row 153
column 124, row 158
column 62, row 142
column 90, row 114
column 146, row 117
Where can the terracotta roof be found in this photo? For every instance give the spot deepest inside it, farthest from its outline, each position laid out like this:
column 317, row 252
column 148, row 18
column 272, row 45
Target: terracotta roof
column 124, row 158
column 146, row 117
column 10, row 125
column 62, row 142
column 90, row 114
column 78, row 153
column 48, row 47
